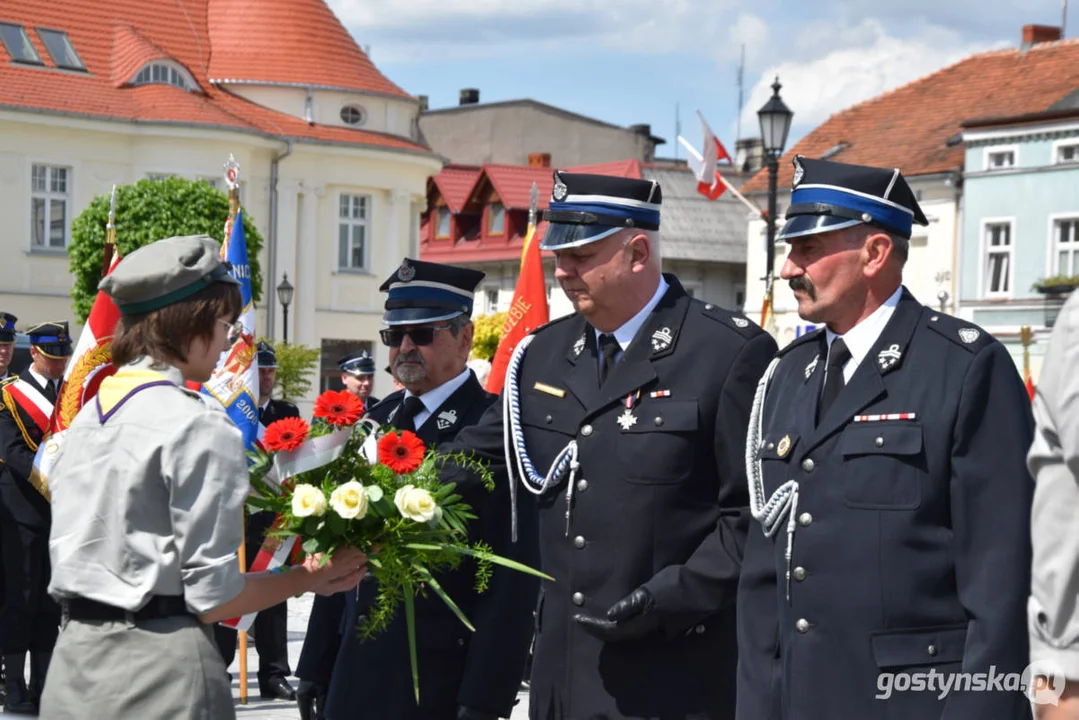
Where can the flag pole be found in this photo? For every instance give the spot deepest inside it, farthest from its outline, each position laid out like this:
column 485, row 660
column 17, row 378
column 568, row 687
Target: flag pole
column 232, row 173
column 110, row 236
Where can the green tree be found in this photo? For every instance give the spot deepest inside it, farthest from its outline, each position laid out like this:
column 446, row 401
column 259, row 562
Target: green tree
column 147, row 211
column 487, row 335
column 296, row 368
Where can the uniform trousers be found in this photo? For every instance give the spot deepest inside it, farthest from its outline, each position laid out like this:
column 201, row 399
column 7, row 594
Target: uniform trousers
column 29, row 618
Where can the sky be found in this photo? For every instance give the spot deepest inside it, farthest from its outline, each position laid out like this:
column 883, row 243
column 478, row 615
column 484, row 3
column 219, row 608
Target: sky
column 658, row 61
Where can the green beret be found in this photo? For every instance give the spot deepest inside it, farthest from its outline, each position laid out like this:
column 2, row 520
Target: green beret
column 165, row 272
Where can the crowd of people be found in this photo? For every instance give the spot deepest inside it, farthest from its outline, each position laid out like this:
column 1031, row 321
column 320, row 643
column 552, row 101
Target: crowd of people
column 734, row 530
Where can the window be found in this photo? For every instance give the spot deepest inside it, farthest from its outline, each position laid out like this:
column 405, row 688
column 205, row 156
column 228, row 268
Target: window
column 48, row 207
column 490, row 296
column 352, row 115
column 17, row 43
column 998, row 255
column 158, row 177
column 496, row 219
column 352, row 232
column 442, row 229
column 1067, row 153
column 999, row 159
column 739, row 297
column 60, row 49
column 164, row 73
column 1066, row 238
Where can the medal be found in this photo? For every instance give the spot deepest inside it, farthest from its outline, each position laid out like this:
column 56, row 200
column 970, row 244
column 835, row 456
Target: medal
column 627, row 419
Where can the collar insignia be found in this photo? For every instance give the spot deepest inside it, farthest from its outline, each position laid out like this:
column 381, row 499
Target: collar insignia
column 393, row 414
column 446, row 419
column 662, row 339
column 578, row 347
column 968, row 335
column 888, row 358
column 812, row 366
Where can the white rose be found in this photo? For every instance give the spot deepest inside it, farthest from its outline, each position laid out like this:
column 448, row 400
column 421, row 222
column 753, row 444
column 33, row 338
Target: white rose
column 308, row 500
column 349, row 500
column 415, row 503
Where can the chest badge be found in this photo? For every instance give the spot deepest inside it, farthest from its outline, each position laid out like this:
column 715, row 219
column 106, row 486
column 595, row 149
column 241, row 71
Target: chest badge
column 446, row 419
column 662, row 339
column 627, row 419
column 888, row 358
column 784, row 446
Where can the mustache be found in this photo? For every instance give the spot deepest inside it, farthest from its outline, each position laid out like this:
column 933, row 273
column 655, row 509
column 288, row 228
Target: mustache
column 802, row 282
column 410, row 357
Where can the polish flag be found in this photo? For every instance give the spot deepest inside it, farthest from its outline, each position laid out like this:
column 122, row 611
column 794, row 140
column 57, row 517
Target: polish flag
column 705, row 163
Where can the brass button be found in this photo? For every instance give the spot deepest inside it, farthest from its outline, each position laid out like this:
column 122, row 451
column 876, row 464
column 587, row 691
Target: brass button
column 578, row 542
column 699, row 629
column 578, row 599
column 879, row 442
column 933, row 650
column 586, row 430
column 658, row 420
column 799, row 574
column 582, row 485
column 805, row 519
column 808, row 465
column 802, row 625
column 548, row 419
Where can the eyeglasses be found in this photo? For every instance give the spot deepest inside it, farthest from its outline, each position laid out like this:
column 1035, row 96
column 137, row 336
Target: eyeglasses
column 393, row 337
column 236, row 329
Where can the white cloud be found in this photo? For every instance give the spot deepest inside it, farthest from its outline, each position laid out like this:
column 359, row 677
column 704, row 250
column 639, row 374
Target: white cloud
column 870, row 62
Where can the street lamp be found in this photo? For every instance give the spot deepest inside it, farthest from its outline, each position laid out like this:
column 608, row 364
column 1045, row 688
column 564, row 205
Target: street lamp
column 775, row 119
column 284, row 296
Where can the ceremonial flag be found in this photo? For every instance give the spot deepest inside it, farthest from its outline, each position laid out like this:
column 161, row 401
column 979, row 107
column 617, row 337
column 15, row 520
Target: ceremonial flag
column 527, row 312
column 1029, row 382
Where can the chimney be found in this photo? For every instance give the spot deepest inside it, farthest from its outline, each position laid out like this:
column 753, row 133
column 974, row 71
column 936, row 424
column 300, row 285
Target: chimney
column 470, row 96
column 749, row 154
column 541, row 160
column 425, row 102
column 1037, row 34
column 642, row 129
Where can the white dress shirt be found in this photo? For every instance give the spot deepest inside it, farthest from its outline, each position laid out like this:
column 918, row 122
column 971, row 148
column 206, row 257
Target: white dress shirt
column 433, row 399
column 861, row 338
column 625, row 334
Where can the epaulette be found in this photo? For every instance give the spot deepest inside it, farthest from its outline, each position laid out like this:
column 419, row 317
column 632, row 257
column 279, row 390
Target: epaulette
column 735, row 321
column 964, row 334
column 551, row 323
column 8, row 380
column 799, row 341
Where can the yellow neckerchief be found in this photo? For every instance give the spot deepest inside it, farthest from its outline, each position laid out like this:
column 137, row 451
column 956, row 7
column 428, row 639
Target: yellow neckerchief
column 116, row 388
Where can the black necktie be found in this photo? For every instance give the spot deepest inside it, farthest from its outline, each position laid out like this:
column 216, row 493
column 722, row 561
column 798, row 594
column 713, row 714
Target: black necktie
column 608, row 348
column 50, row 391
column 838, row 355
column 412, row 407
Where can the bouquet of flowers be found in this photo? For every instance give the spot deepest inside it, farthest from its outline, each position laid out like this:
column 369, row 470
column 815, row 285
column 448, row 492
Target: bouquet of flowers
column 343, row 480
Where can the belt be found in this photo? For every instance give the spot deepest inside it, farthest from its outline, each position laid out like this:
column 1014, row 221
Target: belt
column 160, row 606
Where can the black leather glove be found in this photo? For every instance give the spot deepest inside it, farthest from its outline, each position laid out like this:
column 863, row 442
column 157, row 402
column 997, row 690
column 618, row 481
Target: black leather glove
column 311, row 699
column 630, row 618
column 467, row 713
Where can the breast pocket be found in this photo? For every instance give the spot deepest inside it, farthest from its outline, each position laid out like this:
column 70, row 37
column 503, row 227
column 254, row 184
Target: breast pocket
column 883, row 465
column 775, row 452
column 661, row 446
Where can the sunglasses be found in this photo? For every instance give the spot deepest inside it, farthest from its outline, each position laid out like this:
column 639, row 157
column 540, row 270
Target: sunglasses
column 236, row 329
column 393, row 337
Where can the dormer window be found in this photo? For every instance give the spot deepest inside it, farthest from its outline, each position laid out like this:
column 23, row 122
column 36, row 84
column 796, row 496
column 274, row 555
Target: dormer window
column 352, row 115
column 60, row 49
column 442, row 229
column 496, row 219
column 162, row 72
column 18, row 45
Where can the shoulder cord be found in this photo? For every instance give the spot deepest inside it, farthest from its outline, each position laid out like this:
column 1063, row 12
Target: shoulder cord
column 784, row 501
column 514, row 445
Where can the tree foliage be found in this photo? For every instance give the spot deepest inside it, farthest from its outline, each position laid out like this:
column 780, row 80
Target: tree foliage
column 296, row 366
column 147, row 211
column 487, row 335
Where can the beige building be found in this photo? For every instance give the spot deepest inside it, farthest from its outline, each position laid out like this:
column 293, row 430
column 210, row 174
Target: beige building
column 332, row 169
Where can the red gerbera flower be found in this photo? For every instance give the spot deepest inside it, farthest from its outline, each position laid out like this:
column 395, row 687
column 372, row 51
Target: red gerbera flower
column 285, row 434
column 401, row 452
column 339, row 407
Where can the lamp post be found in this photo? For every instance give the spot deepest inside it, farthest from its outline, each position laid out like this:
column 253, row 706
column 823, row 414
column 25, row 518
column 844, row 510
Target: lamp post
column 284, row 296
column 775, row 118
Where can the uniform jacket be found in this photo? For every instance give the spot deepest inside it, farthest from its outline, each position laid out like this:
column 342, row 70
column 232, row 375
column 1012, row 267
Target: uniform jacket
column 277, row 410
column 911, row 544
column 19, row 439
column 481, row 669
column 659, row 502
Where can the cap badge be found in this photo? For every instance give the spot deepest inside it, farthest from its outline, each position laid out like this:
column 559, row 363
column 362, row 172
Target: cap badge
column 560, row 190
column 406, row 272
column 888, row 358
column 578, row 347
column 968, row 335
column 799, row 172
column 784, row 446
column 662, row 339
column 812, row 366
column 446, row 419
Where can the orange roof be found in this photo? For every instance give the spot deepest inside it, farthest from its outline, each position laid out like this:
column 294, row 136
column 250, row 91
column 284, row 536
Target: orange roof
column 454, row 183
column 294, row 41
column 115, row 39
column 910, row 127
column 513, row 183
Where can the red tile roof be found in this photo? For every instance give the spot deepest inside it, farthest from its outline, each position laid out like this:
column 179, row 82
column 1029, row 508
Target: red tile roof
column 513, row 183
column 116, row 38
column 454, row 183
column 910, row 127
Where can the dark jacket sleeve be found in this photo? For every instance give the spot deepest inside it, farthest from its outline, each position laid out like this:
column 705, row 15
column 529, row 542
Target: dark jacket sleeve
column 17, row 455
column 991, row 496
column 708, row 580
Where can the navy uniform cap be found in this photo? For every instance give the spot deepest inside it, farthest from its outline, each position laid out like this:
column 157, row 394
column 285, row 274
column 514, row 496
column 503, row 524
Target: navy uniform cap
column 266, row 355
column 587, row 208
column 7, row 328
column 51, row 338
column 357, row 364
column 828, row 196
column 423, row 292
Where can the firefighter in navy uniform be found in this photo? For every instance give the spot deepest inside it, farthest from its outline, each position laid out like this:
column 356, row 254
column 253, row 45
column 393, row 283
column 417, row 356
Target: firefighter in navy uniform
column 888, row 484
column 271, row 625
column 7, row 343
column 358, row 376
column 29, row 618
column 628, row 420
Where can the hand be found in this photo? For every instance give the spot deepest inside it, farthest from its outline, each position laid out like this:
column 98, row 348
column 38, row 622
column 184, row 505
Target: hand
column 467, row 713
column 340, row 573
column 311, row 699
column 1068, row 707
column 630, row 618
